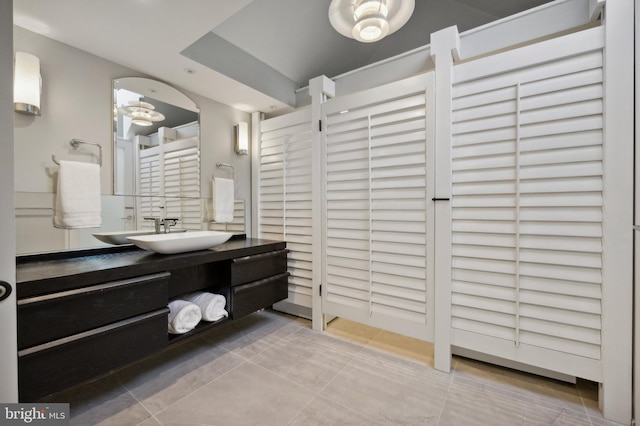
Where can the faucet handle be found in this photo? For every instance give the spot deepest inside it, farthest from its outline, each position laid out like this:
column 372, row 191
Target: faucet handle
column 168, row 222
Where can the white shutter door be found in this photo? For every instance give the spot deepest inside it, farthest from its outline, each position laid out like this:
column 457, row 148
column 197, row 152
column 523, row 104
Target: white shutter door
column 170, row 179
column 378, row 250
column 527, row 205
column 182, row 183
column 150, row 188
column 285, row 197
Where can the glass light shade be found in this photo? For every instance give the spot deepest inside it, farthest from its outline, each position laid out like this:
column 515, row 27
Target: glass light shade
column 370, row 7
column 371, row 28
column 142, row 113
column 27, row 84
column 241, row 138
column 141, row 122
column 369, row 20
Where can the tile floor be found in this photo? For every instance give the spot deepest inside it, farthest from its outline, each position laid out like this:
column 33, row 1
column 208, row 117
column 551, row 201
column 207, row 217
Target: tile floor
column 272, row 369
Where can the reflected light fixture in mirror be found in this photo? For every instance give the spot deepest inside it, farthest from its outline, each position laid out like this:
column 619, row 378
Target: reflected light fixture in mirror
column 27, row 84
column 141, row 113
column 369, row 20
column 241, row 138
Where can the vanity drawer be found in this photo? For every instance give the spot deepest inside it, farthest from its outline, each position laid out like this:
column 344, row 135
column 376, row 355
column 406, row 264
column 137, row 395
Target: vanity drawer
column 56, row 365
column 45, row 318
column 252, row 268
column 249, row 298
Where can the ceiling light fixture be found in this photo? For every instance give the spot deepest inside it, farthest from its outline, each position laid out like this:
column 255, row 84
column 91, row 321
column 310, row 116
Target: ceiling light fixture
column 369, row 20
column 141, row 113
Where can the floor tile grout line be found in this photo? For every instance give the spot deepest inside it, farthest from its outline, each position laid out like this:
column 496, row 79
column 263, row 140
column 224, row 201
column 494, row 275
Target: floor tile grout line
column 317, row 394
column 244, row 361
column 338, row 402
column 446, row 397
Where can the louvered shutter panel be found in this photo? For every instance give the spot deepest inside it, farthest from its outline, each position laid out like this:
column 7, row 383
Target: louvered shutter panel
column 150, row 186
column 527, row 207
column 170, row 179
column 377, row 253
column 285, row 196
column 182, row 183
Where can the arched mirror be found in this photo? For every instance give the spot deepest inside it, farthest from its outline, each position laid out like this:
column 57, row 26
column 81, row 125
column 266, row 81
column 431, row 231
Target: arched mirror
column 156, row 152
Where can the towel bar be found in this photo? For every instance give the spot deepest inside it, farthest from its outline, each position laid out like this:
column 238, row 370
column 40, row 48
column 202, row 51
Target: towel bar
column 233, row 172
column 75, row 143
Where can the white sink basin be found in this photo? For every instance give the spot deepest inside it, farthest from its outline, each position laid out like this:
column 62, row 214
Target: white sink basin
column 120, row 237
column 180, row 242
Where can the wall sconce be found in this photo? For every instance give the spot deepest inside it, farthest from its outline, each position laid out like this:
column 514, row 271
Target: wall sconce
column 241, row 138
column 27, row 84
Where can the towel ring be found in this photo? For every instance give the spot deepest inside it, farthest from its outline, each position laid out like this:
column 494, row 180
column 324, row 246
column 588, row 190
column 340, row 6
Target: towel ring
column 233, row 172
column 76, row 143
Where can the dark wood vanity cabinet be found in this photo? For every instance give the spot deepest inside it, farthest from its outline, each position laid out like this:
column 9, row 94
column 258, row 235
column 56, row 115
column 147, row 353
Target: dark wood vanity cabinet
column 77, row 321
column 53, row 316
column 258, row 279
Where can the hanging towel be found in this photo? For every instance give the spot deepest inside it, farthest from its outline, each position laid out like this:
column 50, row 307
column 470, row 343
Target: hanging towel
column 183, row 316
column 78, row 197
column 211, row 305
column 222, row 199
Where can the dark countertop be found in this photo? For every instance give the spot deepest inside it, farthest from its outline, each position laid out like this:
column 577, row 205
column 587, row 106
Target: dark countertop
column 46, row 273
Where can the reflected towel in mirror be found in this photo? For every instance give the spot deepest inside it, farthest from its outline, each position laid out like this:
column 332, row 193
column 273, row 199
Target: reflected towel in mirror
column 78, row 196
column 222, row 199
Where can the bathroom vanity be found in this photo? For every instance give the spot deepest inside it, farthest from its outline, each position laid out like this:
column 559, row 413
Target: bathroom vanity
column 82, row 314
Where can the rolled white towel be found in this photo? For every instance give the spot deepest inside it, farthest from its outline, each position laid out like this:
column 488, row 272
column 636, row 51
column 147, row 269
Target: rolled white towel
column 183, row 316
column 211, row 305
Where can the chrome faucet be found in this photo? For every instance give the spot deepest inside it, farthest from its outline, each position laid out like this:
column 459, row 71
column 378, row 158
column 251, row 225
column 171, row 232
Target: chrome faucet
column 156, row 222
column 167, row 222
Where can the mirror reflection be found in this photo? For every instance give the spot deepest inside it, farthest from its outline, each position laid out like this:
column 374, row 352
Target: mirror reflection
column 156, row 153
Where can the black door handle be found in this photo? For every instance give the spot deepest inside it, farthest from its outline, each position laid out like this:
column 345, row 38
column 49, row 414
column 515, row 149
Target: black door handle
column 5, row 290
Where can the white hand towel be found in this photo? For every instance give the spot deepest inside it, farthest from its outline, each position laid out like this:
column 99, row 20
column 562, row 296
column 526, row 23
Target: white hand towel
column 222, row 199
column 78, row 197
column 183, row 316
column 211, row 305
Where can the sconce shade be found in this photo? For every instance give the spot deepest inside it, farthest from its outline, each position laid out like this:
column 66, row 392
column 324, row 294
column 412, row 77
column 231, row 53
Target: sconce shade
column 369, row 20
column 27, row 84
column 241, row 138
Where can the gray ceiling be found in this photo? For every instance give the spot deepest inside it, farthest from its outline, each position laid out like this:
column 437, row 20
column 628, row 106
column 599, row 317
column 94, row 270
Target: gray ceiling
column 250, row 54
column 295, row 37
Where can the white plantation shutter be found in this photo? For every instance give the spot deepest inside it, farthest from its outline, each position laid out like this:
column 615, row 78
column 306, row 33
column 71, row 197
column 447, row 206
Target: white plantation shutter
column 171, row 173
column 182, row 184
column 378, row 207
column 150, row 186
column 285, row 197
column 527, row 206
